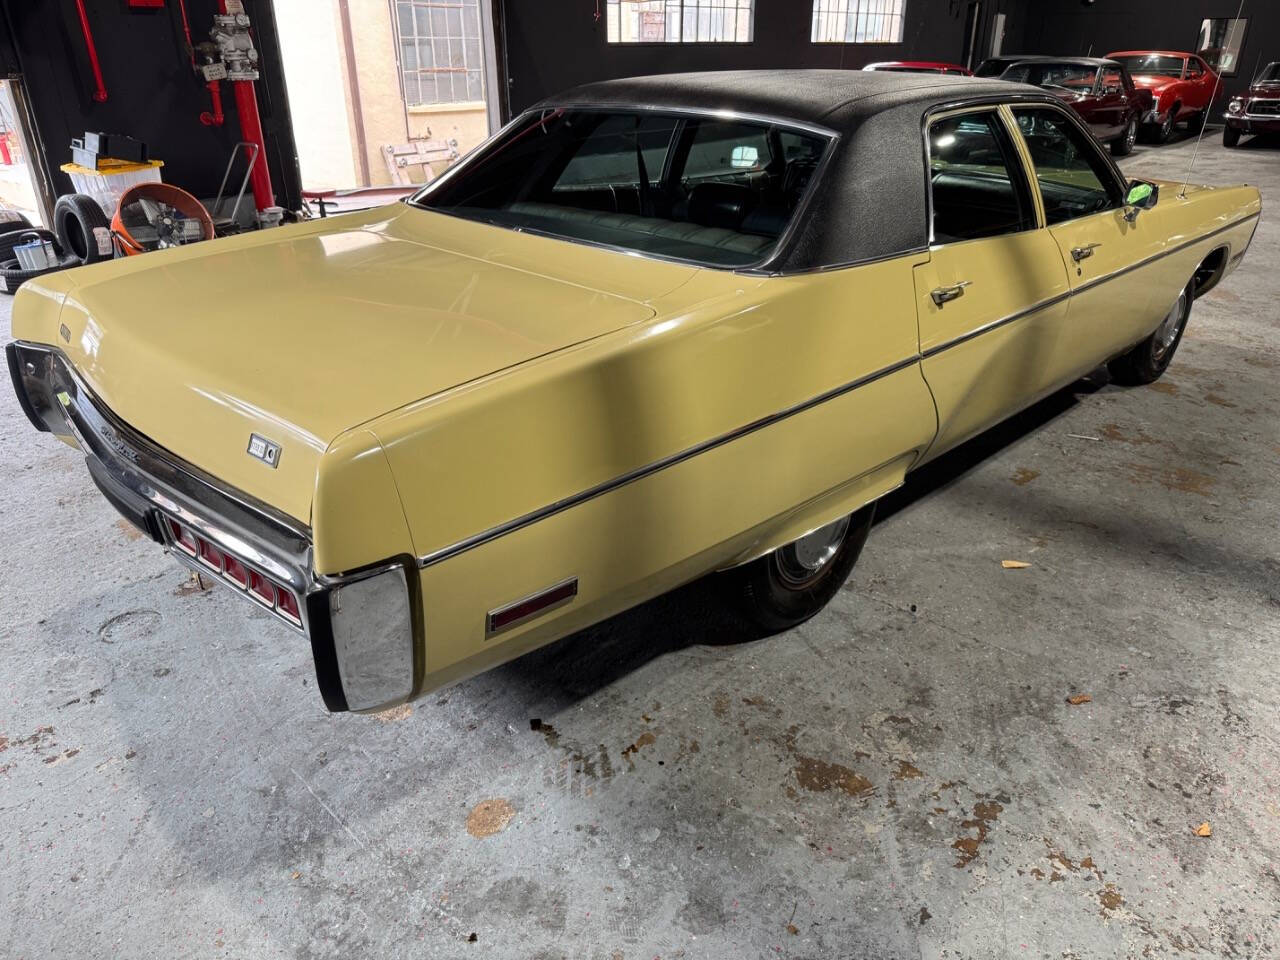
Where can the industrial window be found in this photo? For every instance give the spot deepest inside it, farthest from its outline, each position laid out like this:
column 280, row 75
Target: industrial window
column 679, row 21
column 858, row 21
column 440, row 58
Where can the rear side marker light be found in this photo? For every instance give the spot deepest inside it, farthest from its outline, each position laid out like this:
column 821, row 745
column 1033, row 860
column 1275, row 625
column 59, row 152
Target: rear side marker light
column 235, row 572
column 287, row 604
column 182, row 538
column 514, row 614
column 211, row 556
column 261, row 589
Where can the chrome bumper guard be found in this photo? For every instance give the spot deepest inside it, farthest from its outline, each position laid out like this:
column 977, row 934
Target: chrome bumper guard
column 361, row 625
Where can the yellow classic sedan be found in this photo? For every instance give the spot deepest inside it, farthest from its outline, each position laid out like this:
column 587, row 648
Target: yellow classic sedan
column 655, row 328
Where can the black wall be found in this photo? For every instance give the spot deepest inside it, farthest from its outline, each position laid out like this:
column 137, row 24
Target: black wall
column 554, row 44
column 1067, row 27
column 153, row 94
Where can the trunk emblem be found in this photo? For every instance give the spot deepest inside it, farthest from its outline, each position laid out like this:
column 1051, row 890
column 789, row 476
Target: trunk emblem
column 260, row 448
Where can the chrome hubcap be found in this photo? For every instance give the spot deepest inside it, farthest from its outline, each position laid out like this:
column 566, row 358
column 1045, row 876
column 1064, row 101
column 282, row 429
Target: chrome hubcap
column 1132, row 133
column 1167, row 332
column 801, row 562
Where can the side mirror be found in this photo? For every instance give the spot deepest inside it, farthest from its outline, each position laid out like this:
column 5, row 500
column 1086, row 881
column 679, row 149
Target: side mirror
column 1141, row 196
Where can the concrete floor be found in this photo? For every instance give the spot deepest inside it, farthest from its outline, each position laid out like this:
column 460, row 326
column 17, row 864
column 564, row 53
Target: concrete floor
column 900, row 777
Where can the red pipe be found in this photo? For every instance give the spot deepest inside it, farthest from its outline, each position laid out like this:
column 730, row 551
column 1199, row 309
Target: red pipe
column 251, row 131
column 186, row 28
column 100, row 94
column 215, row 118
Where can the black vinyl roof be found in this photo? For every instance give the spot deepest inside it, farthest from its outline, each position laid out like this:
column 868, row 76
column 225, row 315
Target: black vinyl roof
column 830, row 98
column 871, row 200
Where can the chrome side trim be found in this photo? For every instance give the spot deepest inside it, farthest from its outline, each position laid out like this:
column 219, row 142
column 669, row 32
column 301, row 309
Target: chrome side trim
column 994, row 324
column 1096, row 281
column 639, row 473
column 1162, row 254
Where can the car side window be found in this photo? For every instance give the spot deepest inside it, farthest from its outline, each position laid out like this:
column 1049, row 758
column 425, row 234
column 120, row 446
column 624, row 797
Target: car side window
column 1074, row 179
column 1193, row 69
column 978, row 186
column 1112, row 82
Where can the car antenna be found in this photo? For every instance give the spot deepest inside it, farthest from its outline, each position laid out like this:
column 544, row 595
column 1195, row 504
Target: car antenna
column 1217, row 82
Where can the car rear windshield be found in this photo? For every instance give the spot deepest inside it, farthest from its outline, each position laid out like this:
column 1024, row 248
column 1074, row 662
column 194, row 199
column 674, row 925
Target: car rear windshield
column 1270, row 74
column 1073, row 77
column 1152, row 65
column 710, row 190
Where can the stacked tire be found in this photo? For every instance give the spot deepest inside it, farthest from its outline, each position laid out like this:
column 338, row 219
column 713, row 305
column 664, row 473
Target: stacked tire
column 81, row 234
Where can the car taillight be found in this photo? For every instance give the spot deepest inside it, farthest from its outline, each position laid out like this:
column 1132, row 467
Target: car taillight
column 182, row 538
column 287, row 604
column 210, row 555
column 262, row 589
column 236, row 572
column 280, row 599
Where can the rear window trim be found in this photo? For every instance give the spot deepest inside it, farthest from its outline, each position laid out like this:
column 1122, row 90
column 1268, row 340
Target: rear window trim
column 774, row 253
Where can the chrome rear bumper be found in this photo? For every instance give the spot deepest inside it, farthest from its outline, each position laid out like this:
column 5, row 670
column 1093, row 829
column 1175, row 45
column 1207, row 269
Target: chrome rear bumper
column 370, row 665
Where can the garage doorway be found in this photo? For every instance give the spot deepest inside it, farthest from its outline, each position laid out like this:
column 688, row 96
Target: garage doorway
column 385, row 94
column 20, row 182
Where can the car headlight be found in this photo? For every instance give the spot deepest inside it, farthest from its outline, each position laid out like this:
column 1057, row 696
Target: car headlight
column 1234, row 106
column 372, row 622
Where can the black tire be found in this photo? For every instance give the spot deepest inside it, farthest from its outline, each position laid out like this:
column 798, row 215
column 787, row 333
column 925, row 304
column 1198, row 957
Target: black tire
column 1122, row 146
column 1230, row 136
column 12, row 276
column 1161, row 132
column 15, row 238
column 1146, row 362
column 776, row 592
column 75, row 217
column 18, row 222
column 1196, row 122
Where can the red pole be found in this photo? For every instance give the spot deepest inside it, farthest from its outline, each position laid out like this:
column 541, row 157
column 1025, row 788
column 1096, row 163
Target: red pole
column 100, row 94
column 251, row 132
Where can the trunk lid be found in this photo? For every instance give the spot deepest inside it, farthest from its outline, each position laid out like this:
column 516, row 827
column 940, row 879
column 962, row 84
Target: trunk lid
column 301, row 334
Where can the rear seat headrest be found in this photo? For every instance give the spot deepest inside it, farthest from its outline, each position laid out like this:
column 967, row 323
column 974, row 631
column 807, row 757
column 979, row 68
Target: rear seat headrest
column 717, row 204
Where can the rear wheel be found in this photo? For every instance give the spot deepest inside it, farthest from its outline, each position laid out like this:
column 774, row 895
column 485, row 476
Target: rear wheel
column 1230, row 136
column 1124, row 145
column 1146, row 362
column 791, row 584
column 1196, row 122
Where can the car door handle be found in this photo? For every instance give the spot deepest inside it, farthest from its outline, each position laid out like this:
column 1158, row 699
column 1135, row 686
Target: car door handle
column 1085, row 252
column 947, row 294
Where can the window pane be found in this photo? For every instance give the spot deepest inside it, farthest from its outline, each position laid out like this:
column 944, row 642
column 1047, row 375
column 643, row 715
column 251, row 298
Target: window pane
column 977, row 182
column 475, row 88
column 1074, row 179
column 726, row 205
column 428, row 83
column 426, row 55
column 405, row 14
column 857, row 21
column 409, row 55
column 470, row 22
column 422, row 21
column 411, row 92
column 679, row 21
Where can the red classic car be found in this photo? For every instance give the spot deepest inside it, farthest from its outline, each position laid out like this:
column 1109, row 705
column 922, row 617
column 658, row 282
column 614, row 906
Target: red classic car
column 1182, row 87
column 920, row 66
column 1099, row 90
column 1258, row 110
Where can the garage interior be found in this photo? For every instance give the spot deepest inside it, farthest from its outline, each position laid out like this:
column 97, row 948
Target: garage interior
column 1074, row 756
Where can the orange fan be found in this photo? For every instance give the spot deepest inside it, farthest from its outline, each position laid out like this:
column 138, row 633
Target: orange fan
column 154, row 216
